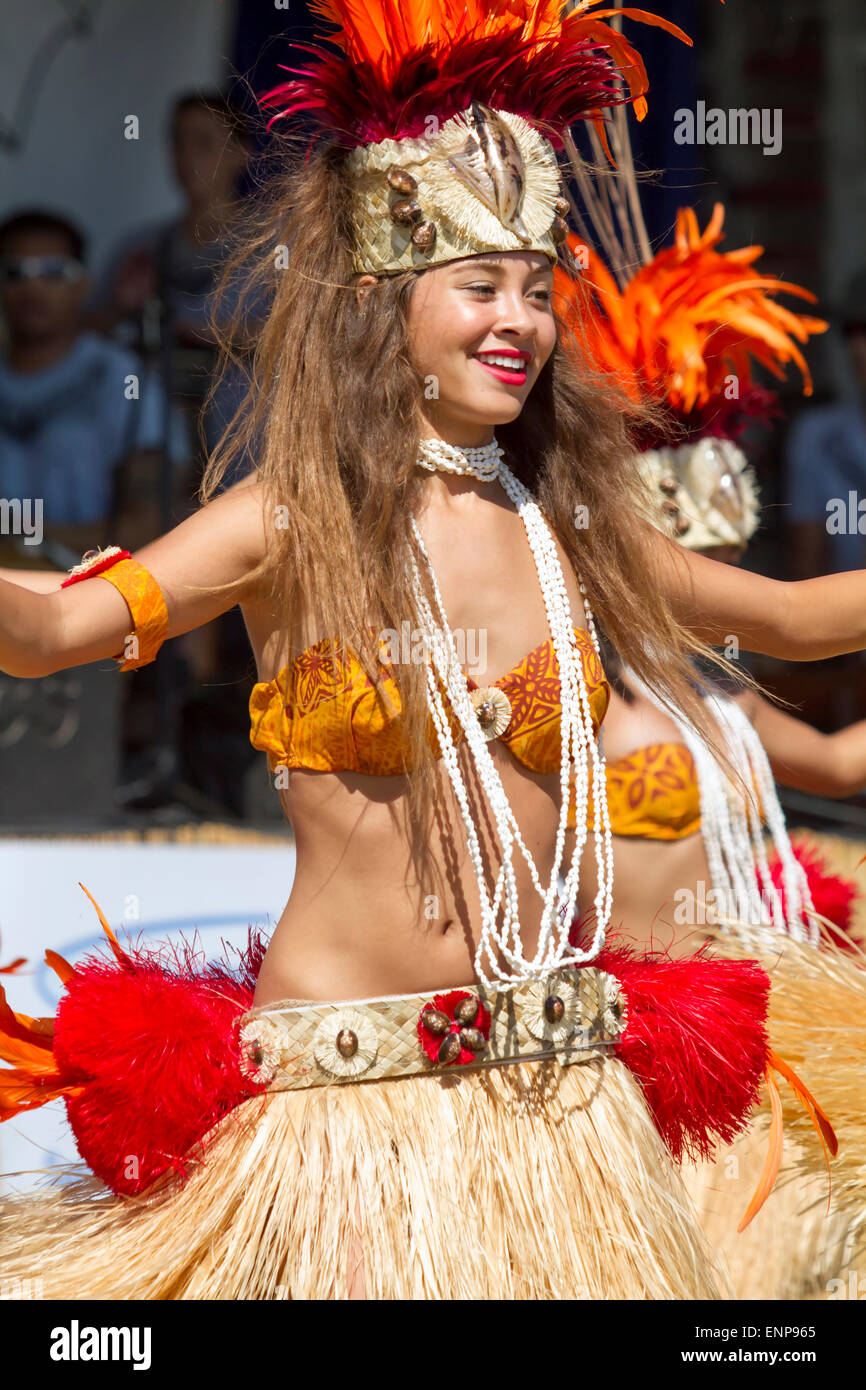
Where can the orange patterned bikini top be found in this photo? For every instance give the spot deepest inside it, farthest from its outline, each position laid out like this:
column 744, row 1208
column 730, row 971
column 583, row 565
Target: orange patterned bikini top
column 653, row 793
column 311, row 717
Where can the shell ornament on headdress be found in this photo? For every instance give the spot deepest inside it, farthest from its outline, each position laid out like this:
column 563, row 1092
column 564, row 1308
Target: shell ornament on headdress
column 706, row 492
column 443, row 103
column 685, row 330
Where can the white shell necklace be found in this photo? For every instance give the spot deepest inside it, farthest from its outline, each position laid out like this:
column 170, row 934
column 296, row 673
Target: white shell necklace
column 732, row 827
column 501, row 939
column 482, row 462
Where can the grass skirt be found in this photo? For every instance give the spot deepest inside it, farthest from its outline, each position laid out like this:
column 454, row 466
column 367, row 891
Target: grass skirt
column 530, row 1181
column 794, row 1246
column 798, row 1243
column 817, row 1023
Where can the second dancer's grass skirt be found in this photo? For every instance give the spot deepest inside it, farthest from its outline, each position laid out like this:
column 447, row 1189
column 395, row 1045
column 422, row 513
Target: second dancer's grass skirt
column 799, row 1242
column 527, row 1181
column 794, row 1247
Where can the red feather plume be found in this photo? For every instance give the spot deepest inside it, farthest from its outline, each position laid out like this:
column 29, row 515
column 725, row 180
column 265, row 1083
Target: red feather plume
column 833, row 896
column 398, row 65
column 143, row 1049
column 154, row 1050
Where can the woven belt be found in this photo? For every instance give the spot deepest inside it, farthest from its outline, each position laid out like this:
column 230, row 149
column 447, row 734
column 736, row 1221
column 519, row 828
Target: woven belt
column 573, row 1015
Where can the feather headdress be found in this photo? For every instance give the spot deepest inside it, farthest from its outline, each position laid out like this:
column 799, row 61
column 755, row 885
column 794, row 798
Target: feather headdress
column 686, row 329
column 398, row 66
column 453, row 110
column 692, row 321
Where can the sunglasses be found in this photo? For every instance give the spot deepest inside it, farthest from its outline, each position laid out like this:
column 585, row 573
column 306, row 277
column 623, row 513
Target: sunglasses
column 16, row 269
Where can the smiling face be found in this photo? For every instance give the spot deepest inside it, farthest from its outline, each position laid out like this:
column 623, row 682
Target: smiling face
column 481, row 329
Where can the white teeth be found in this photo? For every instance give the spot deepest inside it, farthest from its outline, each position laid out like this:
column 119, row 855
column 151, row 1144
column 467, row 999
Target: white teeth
column 495, row 360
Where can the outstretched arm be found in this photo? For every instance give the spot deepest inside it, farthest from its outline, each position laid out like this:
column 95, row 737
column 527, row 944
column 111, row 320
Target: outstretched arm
column 804, row 621
column 803, row 757
column 40, row 581
column 49, row 629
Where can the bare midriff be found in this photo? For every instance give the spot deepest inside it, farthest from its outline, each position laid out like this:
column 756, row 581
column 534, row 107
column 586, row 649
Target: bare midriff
column 358, row 923
column 660, row 890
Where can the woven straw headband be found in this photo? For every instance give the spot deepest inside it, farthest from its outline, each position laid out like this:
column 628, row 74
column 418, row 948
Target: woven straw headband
column 487, row 182
column 573, row 1015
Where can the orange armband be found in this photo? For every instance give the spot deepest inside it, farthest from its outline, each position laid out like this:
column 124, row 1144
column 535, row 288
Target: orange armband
column 143, row 599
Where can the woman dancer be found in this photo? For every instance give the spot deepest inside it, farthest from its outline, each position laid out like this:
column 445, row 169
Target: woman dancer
column 667, row 822
column 688, row 844
column 683, row 331
column 662, row 811
column 433, row 1093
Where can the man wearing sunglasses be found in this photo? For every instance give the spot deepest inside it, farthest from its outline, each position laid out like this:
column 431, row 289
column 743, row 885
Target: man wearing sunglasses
column 76, row 415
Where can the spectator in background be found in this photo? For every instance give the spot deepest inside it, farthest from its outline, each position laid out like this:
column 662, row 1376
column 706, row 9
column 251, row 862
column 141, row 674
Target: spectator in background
column 171, row 268
column 158, row 292
column 77, row 420
column 825, row 461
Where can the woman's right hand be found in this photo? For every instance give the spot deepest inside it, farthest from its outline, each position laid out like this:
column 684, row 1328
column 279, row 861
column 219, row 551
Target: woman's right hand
column 47, row 630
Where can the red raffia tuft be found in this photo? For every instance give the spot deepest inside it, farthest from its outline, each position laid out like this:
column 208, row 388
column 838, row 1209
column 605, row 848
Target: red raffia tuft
column 143, row 1049
column 833, row 897
column 153, row 1048
column 398, row 66
column 696, row 1040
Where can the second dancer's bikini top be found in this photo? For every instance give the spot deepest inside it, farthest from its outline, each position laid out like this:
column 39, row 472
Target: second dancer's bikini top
column 310, row 716
column 652, row 794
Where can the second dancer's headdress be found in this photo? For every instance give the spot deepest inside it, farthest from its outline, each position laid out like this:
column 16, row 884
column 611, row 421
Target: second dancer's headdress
column 684, row 330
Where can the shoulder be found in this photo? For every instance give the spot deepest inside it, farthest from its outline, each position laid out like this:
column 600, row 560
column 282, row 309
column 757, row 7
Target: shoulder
column 239, row 515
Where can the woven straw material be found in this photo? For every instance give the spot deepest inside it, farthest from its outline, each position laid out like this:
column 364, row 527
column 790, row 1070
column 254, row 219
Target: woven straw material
column 817, row 1024
column 299, row 1043
column 532, row 1181
column 717, row 513
column 794, row 1246
column 464, row 225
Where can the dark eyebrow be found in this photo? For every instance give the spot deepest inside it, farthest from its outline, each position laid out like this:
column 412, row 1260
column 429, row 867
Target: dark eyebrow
column 489, row 263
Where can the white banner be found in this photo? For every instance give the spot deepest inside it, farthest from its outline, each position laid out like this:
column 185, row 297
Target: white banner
column 208, row 894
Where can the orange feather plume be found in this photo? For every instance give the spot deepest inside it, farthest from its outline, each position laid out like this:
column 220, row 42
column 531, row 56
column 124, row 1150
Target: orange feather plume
column 33, row 1076
column 384, row 32
column 690, row 319
column 773, row 1160
column 13, row 965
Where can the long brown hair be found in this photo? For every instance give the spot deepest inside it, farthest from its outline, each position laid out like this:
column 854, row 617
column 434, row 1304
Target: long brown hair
column 332, row 421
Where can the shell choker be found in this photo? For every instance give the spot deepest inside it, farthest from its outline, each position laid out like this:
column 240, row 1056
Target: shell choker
column 482, row 462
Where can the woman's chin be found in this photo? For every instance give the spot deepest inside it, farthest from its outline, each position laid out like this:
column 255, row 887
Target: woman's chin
column 496, row 408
